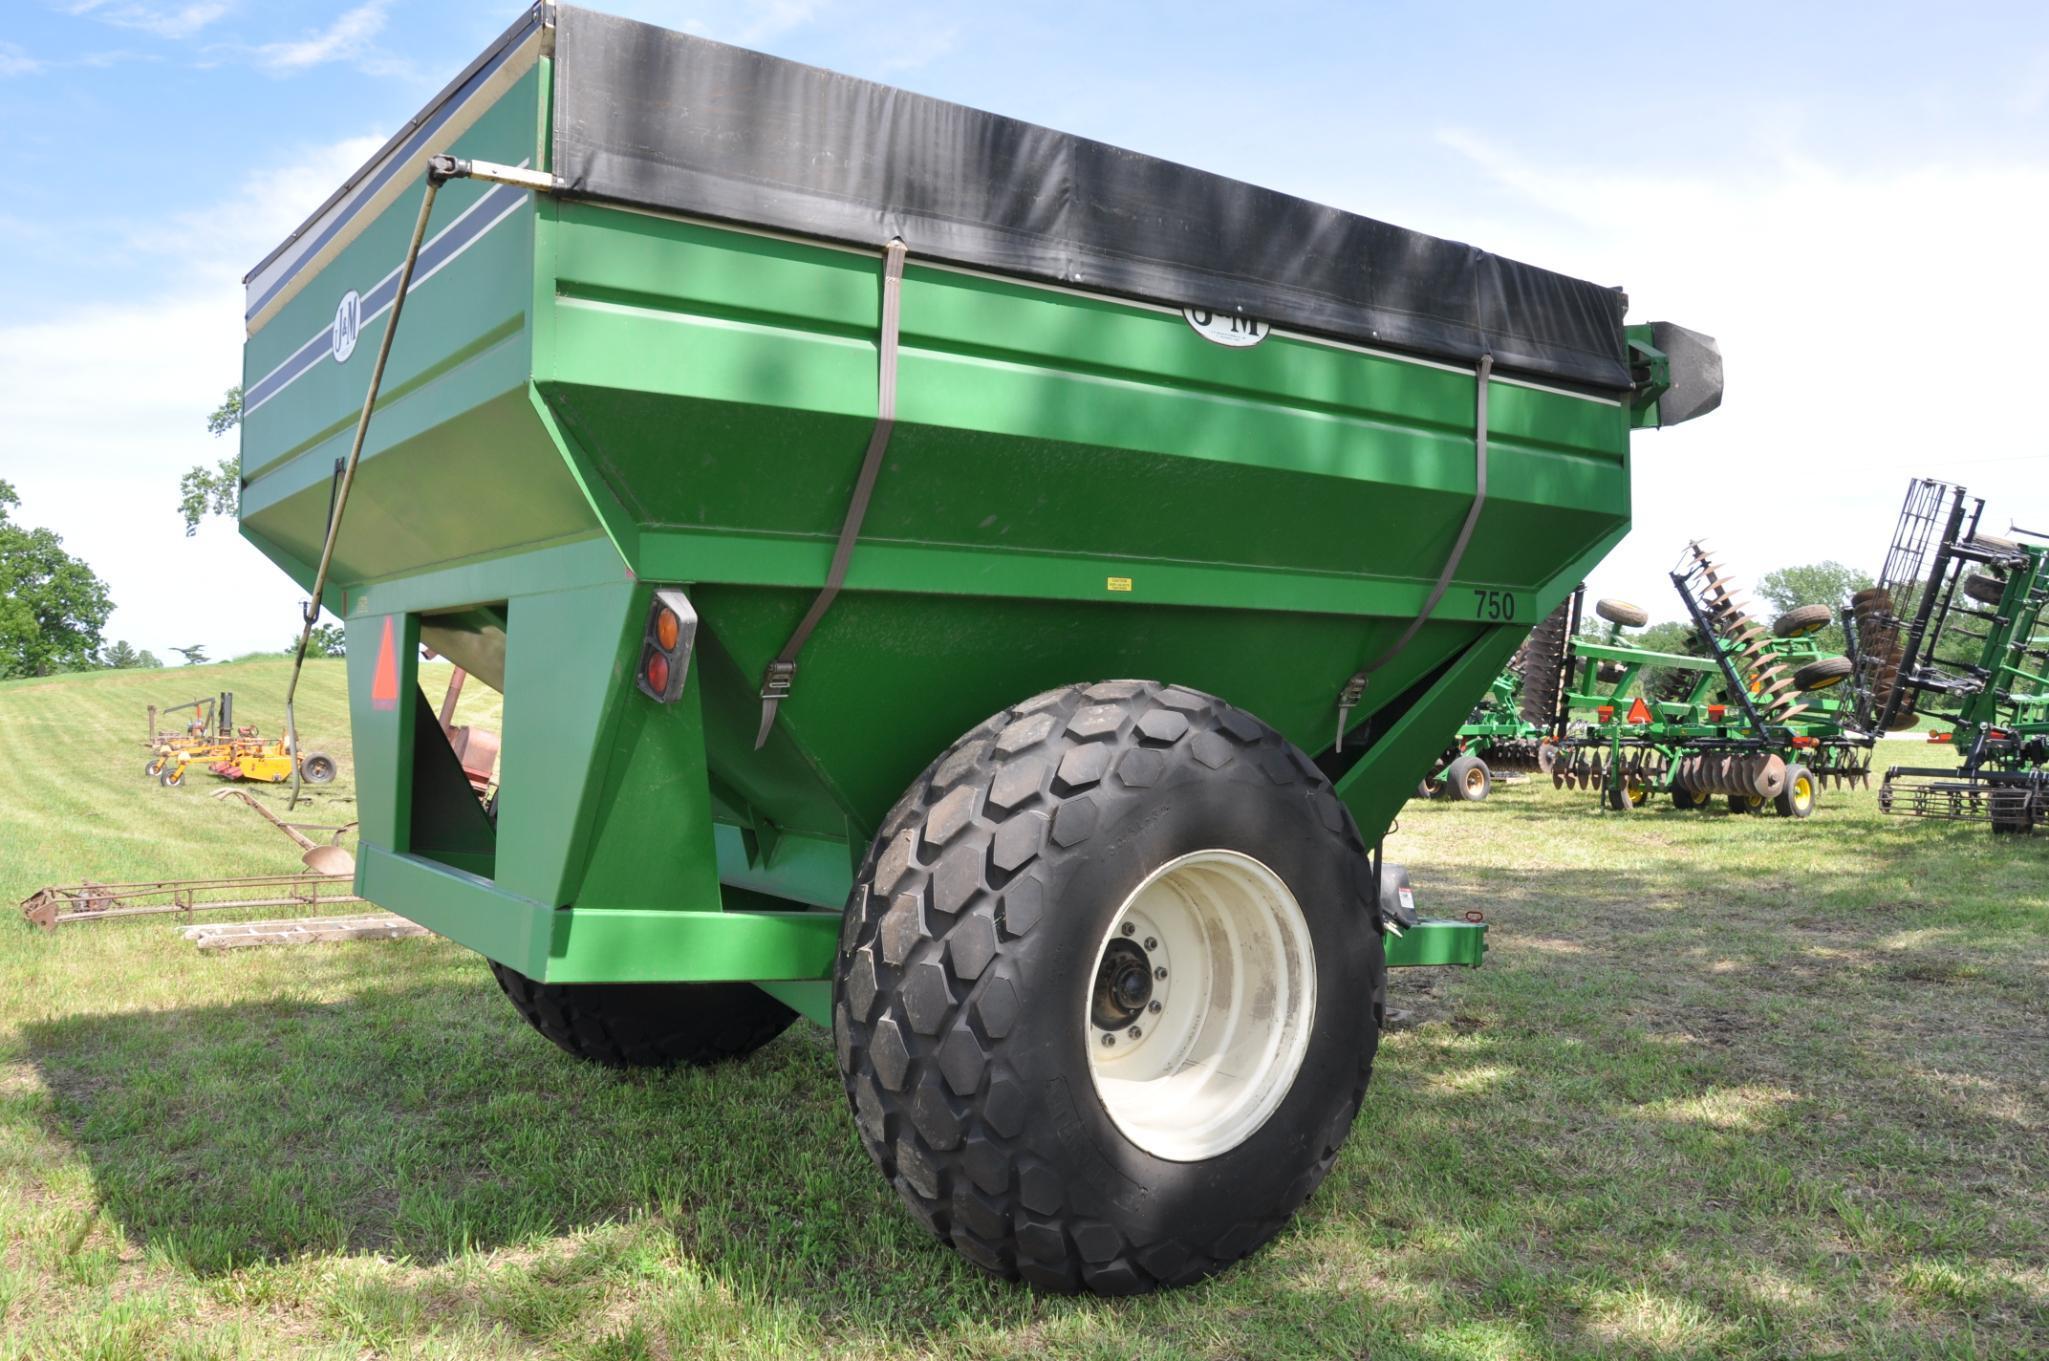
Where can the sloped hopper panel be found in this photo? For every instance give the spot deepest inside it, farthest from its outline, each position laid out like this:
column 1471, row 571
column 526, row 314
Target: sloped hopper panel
column 658, row 119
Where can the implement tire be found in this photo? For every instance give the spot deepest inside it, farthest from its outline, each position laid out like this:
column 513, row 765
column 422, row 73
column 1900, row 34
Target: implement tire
column 1802, row 792
column 1627, row 797
column 1802, row 620
column 1994, row 543
column 1824, row 673
column 1623, row 613
column 647, row 1025
column 1060, row 870
column 1468, row 780
column 1986, row 590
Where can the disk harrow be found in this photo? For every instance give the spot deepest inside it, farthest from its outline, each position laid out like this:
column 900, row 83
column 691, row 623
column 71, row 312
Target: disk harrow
column 1745, row 721
column 1761, row 666
column 1954, row 631
column 1539, row 665
column 1706, row 773
column 1522, row 756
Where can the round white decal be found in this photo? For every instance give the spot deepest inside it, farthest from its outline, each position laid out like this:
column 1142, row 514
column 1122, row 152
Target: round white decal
column 348, row 319
column 1225, row 328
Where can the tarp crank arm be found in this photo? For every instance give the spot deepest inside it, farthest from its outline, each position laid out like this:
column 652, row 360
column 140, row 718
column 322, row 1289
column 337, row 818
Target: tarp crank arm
column 439, row 169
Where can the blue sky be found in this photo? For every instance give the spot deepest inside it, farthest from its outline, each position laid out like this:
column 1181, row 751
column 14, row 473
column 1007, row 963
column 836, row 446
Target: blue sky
column 1850, row 196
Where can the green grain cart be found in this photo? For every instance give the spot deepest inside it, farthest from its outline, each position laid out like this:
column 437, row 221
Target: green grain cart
column 977, row 588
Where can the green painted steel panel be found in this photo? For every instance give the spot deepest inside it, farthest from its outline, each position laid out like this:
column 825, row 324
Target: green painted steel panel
column 475, row 472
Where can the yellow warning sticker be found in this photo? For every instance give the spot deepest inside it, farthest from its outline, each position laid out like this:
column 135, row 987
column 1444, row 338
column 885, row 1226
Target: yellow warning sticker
column 1118, row 583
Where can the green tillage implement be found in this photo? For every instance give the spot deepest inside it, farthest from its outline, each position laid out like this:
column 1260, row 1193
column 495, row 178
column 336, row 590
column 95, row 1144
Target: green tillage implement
column 1971, row 650
column 1103, row 958
column 1494, row 739
column 1717, row 733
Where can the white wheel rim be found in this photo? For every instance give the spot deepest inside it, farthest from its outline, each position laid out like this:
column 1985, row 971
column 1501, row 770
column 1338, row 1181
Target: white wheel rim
column 1233, row 978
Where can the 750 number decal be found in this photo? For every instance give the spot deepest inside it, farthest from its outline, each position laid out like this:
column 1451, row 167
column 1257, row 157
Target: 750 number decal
column 1493, row 605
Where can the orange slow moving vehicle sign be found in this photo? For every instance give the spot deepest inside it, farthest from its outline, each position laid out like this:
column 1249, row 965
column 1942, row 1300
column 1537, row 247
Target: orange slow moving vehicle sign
column 384, row 681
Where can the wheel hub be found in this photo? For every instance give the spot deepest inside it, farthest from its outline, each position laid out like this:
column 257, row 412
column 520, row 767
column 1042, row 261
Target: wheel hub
column 1201, row 1005
column 1124, row 984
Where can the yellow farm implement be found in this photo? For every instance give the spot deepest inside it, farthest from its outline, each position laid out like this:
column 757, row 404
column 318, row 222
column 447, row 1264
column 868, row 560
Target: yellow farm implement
column 234, row 753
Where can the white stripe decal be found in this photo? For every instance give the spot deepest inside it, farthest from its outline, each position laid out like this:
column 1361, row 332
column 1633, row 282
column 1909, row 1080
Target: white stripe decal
column 318, row 341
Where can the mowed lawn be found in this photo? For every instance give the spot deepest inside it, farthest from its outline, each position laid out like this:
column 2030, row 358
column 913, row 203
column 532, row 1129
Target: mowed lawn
column 1727, row 1087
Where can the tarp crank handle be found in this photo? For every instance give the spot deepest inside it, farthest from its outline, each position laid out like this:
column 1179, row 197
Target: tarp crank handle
column 439, row 169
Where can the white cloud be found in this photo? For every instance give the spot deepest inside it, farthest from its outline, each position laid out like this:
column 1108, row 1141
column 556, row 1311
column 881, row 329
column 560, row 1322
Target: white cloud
column 348, row 38
column 1875, row 326
column 165, row 21
column 110, row 405
column 15, row 62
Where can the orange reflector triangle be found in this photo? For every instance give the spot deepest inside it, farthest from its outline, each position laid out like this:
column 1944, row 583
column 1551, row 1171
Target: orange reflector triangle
column 384, row 681
column 1639, row 712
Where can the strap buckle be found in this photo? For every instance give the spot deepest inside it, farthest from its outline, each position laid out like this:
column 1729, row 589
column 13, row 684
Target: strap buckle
column 1348, row 700
column 776, row 682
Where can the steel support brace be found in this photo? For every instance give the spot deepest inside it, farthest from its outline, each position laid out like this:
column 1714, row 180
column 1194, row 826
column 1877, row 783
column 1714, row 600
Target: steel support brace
column 604, row 945
column 1397, row 756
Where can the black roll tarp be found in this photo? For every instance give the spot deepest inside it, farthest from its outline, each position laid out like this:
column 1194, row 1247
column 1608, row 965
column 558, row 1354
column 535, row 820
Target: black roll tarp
column 658, row 119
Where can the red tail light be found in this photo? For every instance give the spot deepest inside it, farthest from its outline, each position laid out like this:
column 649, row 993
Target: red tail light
column 665, row 647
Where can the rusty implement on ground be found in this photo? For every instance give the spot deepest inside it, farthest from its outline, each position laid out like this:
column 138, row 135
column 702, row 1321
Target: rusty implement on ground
column 60, row 904
column 327, row 857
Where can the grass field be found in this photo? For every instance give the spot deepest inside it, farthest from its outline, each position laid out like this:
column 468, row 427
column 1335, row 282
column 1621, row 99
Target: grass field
column 1727, row 1087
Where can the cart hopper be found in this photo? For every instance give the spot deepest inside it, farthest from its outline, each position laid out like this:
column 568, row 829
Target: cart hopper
column 1305, row 476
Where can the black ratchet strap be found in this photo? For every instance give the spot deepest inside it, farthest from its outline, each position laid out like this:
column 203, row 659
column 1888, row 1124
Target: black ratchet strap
column 1355, row 688
column 782, row 672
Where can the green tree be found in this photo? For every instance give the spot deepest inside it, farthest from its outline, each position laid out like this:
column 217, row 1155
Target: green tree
column 1666, row 682
column 1820, row 583
column 228, row 414
column 326, row 640
column 121, row 657
column 52, row 606
column 215, row 490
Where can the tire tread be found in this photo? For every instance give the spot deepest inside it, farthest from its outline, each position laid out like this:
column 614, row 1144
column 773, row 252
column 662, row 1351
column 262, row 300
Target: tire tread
column 982, row 1187
column 612, row 1024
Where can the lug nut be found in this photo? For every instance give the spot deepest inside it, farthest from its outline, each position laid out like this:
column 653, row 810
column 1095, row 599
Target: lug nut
column 1129, row 928
column 1151, row 943
column 1160, row 972
column 1136, row 1032
column 1153, row 1007
column 1109, row 1040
